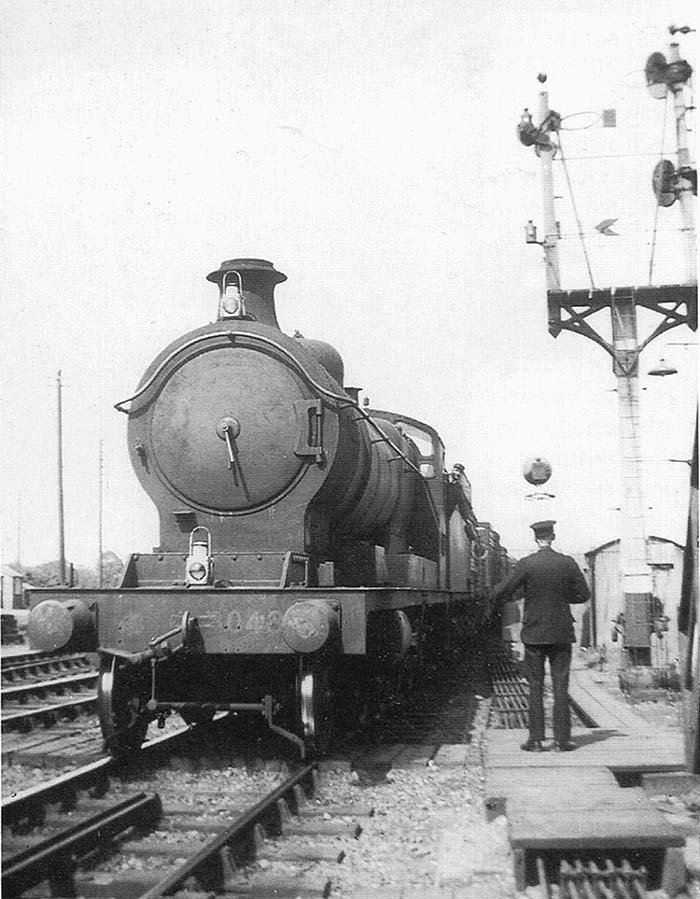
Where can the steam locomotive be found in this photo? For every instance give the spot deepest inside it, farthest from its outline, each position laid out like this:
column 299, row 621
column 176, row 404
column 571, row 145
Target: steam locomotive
column 310, row 547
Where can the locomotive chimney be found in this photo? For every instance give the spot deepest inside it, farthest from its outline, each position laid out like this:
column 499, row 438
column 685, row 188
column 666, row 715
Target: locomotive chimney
column 246, row 290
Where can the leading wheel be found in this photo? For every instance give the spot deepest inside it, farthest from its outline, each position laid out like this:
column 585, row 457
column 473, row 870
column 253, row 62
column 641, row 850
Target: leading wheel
column 121, row 701
column 315, row 705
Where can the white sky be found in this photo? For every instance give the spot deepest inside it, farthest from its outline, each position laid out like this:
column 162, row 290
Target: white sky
column 368, row 149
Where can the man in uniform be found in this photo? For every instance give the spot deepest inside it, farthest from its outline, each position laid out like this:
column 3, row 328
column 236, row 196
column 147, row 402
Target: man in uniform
column 550, row 582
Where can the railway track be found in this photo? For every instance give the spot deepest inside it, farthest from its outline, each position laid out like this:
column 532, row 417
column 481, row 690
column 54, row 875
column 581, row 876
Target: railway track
column 510, row 697
column 46, row 690
column 110, row 831
column 32, row 665
column 156, row 845
column 440, row 711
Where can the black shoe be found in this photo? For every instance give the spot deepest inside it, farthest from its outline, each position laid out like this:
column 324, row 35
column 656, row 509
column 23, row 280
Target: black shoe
column 533, row 746
column 564, row 746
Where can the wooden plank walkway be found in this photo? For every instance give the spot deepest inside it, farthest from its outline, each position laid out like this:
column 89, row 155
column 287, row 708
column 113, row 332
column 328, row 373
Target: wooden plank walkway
column 623, row 741
column 641, row 751
column 571, row 801
column 607, row 711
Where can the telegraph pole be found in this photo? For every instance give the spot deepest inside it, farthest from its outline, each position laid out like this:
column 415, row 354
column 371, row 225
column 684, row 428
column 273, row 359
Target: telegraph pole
column 99, row 519
column 61, row 525
column 19, row 532
column 571, row 309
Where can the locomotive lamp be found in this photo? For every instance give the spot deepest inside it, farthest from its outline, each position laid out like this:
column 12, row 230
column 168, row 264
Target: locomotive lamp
column 199, row 568
column 231, row 301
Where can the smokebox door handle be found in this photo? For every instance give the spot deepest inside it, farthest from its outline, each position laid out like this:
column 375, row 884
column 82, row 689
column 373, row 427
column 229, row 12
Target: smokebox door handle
column 310, row 422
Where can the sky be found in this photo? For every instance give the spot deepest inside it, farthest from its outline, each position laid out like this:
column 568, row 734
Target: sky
column 369, row 150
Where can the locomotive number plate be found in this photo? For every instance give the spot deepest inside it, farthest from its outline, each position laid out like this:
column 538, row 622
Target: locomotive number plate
column 258, row 621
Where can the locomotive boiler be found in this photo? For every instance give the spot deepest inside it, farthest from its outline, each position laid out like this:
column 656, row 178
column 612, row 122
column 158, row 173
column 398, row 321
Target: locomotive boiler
column 308, row 546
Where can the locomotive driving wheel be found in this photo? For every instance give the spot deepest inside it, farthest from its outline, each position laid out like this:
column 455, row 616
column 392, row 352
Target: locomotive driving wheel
column 121, row 700
column 315, row 706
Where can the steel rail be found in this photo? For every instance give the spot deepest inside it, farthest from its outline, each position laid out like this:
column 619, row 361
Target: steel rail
column 241, row 826
column 17, row 659
column 18, row 692
column 29, row 804
column 55, row 859
column 87, row 702
column 37, row 658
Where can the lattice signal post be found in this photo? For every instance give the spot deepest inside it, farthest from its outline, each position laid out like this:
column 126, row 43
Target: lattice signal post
column 675, row 304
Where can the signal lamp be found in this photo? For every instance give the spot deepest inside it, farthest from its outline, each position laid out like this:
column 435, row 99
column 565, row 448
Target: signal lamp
column 664, row 182
column 531, row 232
column 655, row 71
column 662, row 75
column 526, row 130
column 678, row 72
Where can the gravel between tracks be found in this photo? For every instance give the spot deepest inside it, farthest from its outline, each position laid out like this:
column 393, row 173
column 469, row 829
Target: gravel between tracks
column 428, row 837
column 17, row 778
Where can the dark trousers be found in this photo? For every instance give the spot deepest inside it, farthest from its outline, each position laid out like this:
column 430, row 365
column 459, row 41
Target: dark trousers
column 559, row 655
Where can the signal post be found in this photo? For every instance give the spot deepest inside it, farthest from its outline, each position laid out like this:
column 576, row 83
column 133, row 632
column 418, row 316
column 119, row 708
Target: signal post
column 676, row 304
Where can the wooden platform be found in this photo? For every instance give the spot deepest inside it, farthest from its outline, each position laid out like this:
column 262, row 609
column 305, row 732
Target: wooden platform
column 641, row 751
column 622, row 741
column 607, row 711
column 571, row 802
column 580, row 808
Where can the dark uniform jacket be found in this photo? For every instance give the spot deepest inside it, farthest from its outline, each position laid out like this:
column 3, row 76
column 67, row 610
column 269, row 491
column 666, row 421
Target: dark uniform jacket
column 550, row 581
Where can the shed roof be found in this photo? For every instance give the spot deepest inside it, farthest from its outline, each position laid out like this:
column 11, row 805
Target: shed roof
column 598, row 549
